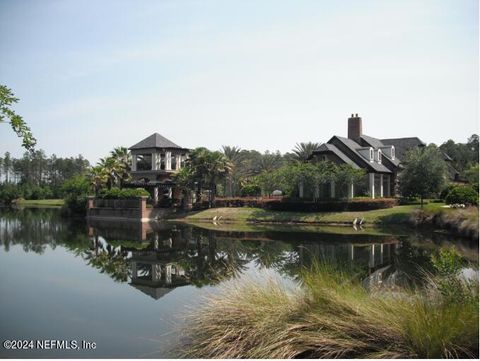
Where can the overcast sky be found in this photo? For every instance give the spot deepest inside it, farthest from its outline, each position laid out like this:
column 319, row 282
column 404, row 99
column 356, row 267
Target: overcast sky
column 92, row 75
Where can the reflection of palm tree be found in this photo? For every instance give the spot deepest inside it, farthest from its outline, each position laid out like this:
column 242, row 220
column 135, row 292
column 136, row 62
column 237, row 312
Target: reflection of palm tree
column 109, row 260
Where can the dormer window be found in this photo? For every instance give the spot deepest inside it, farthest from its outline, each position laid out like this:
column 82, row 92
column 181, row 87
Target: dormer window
column 393, row 152
column 379, row 155
column 371, row 154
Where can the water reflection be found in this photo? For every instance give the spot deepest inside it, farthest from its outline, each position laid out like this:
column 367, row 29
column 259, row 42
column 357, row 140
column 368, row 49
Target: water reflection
column 156, row 258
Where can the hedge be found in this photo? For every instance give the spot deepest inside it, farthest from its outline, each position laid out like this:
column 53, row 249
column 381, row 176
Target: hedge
column 297, row 205
column 117, row 193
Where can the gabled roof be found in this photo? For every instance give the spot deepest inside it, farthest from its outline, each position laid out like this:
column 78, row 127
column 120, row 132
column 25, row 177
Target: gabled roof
column 402, row 145
column 155, row 141
column 377, row 143
column 325, row 147
column 354, row 146
column 374, row 142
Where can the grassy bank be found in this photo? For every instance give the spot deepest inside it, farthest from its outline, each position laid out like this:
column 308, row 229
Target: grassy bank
column 332, row 316
column 395, row 215
column 40, row 202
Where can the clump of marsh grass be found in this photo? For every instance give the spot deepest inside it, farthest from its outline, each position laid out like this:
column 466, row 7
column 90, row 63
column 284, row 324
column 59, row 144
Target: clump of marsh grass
column 331, row 316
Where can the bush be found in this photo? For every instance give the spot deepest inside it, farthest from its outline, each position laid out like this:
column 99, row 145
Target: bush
column 447, row 190
column 297, row 205
column 355, row 204
column 251, row 190
column 9, row 192
column 462, row 195
column 75, row 191
column 127, row 193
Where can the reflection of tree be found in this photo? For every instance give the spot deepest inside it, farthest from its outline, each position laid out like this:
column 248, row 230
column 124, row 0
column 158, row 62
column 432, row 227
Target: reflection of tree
column 109, row 260
column 37, row 228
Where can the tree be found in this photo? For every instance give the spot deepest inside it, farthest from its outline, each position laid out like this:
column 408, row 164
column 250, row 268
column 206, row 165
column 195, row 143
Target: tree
column 7, row 166
column 234, row 156
column 424, row 173
column 204, row 169
column 472, row 175
column 7, row 99
column 303, row 151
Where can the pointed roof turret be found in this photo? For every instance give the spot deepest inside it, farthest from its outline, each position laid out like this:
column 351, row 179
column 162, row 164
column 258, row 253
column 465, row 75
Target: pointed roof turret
column 155, row 141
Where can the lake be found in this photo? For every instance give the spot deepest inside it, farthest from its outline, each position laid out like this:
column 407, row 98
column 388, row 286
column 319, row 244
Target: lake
column 127, row 286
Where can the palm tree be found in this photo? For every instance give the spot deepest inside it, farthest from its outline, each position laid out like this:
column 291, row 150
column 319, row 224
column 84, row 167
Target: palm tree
column 235, row 156
column 303, row 151
column 98, row 178
column 207, row 168
column 123, row 160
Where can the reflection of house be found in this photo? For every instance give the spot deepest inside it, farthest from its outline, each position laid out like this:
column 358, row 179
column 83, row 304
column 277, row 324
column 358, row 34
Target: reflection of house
column 154, row 160
column 381, row 158
column 154, row 277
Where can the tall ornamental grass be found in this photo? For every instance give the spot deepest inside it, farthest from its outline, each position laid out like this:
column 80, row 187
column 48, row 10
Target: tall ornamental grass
column 332, row 316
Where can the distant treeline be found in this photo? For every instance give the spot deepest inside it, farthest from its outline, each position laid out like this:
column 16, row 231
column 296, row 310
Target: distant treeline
column 37, row 176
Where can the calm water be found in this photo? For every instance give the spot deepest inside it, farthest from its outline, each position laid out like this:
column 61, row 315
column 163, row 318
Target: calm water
column 127, row 287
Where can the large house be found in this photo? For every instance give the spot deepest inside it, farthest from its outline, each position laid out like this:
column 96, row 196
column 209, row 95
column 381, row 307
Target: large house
column 381, row 158
column 154, row 160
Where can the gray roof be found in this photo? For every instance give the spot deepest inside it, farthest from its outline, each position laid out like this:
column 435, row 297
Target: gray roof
column 155, row 141
column 374, row 142
column 403, row 145
column 354, row 146
column 325, row 147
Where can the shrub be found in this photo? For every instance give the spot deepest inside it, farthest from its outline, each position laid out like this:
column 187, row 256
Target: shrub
column 446, row 190
column 9, row 192
column 75, row 191
column 355, row 204
column 298, row 205
column 462, row 194
column 251, row 190
column 127, row 193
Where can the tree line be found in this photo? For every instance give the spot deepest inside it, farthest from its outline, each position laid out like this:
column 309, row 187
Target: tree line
column 36, row 175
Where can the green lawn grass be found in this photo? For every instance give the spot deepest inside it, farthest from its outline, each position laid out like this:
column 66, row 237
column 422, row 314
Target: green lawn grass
column 41, row 202
column 395, row 215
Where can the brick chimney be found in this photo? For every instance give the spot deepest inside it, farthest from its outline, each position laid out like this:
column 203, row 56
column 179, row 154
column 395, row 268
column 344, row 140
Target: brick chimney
column 354, row 127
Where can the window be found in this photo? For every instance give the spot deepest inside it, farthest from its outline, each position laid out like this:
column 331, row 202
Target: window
column 174, row 162
column 144, row 162
column 371, row 154
column 393, row 152
column 379, row 156
column 324, row 158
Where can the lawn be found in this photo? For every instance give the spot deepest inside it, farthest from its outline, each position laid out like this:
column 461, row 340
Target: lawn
column 395, row 215
column 41, row 202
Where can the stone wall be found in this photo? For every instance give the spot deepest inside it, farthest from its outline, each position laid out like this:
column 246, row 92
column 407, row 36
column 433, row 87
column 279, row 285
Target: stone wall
column 124, row 209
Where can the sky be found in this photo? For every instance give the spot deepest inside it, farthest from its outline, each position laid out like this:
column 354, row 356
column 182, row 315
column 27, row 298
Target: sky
column 258, row 74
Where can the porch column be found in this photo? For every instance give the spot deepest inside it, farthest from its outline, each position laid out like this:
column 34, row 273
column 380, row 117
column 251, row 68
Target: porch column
column 155, row 196
column 332, row 189
column 350, row 252
column 388, row 185
column 154, row 161
column 372, row 256
column 168, row 274
column 134, row 270
column 300, row 189
column 134, row 162
column 350, row 191
column 371, row 181
column 381, row 185
column 168, row 162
